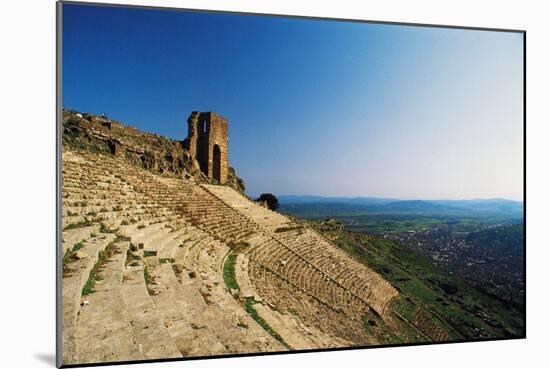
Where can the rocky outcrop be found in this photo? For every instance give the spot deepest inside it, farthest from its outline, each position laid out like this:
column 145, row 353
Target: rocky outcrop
column 158, row 154
column 235, row 181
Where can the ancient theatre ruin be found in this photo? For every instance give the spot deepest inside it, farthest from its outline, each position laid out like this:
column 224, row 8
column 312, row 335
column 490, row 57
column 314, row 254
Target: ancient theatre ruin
column 164, row 255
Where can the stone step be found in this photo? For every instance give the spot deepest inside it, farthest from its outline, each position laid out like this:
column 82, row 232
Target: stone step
column 103, row 331
column 72, row 285
column 76, row 235
column 195, row 314
column 180, row 308
column 148, row 325
column 168, row 249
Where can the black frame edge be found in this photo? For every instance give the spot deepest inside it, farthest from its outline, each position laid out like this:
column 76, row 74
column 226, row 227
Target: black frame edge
column 58, row 164
column 305, row 17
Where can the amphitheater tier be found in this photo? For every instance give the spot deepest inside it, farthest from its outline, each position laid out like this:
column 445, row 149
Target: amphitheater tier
column 145, row 257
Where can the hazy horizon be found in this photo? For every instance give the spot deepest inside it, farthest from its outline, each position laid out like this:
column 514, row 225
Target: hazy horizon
column 318, row 108
column 396, row 198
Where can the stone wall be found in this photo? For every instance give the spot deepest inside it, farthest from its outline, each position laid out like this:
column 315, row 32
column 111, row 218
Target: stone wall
column 207, row 143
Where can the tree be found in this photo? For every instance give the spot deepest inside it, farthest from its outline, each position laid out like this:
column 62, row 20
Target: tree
column 270, row 199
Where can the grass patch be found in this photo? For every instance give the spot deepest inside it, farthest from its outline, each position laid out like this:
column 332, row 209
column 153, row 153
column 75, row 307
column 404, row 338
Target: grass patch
column 251, row 310
column 84, row 223
column 147, row 253
column 166, row 260
column 78, row 246
column 69, row 256
column 229, row 272
column 452, row 305
column 230, row 280
column 147, row 276
column 141, row 226
column 94, row 276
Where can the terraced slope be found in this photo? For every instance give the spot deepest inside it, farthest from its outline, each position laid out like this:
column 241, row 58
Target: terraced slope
column 159, row 266
column 299, row 261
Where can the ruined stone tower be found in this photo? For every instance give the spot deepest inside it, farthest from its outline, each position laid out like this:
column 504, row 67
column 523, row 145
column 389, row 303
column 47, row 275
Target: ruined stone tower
column 207, row 143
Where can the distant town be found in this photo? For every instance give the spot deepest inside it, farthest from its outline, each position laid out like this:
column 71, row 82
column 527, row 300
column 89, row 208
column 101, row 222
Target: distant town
column 495, row 267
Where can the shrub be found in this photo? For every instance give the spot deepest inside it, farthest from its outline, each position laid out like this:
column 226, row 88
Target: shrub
column 270, row 199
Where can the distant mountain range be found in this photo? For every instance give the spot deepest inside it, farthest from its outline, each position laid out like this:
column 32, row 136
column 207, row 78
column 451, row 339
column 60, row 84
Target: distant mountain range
column 386, row 205
column 309, row 199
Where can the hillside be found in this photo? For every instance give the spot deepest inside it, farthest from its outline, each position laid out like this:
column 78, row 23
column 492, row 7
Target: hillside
column 163, row 264
column 470, row 312
column 158, row 263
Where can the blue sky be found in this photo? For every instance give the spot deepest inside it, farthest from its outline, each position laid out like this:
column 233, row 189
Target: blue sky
column 314, row 107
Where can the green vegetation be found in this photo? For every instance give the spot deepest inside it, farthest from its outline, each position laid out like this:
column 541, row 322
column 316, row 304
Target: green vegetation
column 95, row 275
column 84, row 223
column 506, row 237
column 249, row 307
column 230, row 280
column 270, row 199
column 371, row 221
column 398, row 223
column 147, row 276
column 147, row 253
column 69, row 256
column 457, row 308
column 229, row 272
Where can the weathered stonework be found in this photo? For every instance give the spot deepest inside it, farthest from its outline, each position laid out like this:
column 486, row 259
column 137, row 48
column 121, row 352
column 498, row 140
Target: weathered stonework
column 83, row 131
column 207, row 143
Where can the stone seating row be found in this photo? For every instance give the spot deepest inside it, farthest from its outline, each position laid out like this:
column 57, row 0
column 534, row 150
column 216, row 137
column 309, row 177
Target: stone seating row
column 284, row 296
column 364, row 282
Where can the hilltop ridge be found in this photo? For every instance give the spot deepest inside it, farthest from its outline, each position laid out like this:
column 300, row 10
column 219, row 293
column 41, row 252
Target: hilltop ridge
column 305, row 205
column 158, row 154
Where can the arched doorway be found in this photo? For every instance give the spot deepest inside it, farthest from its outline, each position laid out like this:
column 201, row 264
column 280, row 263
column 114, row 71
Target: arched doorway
column 216, row 162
